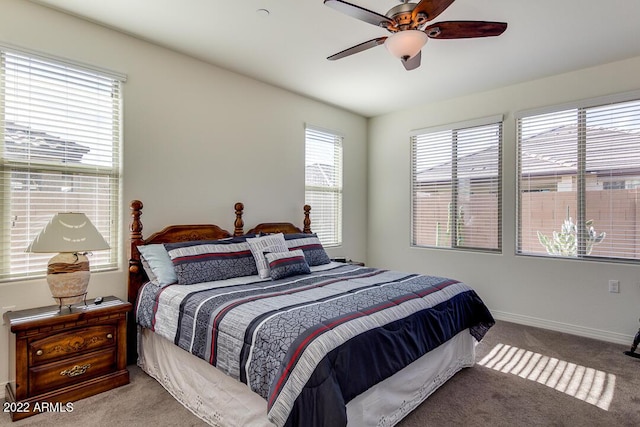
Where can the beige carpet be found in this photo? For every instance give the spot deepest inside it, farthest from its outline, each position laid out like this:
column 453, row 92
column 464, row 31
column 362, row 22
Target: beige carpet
column 524, row 377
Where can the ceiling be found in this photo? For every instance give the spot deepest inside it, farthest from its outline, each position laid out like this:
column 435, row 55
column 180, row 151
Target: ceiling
column 288, row 46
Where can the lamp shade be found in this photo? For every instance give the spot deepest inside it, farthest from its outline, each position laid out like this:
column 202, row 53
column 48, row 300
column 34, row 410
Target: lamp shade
column 72, row 234
column 68, row 232
column 406, row 44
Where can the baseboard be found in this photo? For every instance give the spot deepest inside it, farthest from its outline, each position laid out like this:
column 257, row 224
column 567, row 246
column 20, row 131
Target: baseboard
column 582, row 331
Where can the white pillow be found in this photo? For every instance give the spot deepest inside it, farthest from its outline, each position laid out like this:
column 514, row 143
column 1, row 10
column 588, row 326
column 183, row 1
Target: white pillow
column 266, row 244
column 157, row 258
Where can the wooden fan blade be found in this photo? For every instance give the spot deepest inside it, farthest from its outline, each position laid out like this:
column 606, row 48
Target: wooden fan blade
column 465, row 29
column 359, row 12
column 431, row 8
column 358, row 48
column 412, row 63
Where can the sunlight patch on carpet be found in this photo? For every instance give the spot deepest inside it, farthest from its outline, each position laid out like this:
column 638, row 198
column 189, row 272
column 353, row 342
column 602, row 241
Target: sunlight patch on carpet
column 587, row 384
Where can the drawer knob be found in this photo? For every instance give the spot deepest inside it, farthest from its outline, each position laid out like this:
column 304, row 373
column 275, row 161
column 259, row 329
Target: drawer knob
column 76, row 370
column 39, row 353
column 109, row 336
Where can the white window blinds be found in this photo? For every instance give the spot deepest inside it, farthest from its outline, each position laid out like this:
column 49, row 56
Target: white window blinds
column 60, row 133
column 456, row 185
column 578, row 180
column 323, row 184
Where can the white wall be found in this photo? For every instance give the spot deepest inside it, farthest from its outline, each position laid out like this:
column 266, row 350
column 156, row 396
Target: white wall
column 565, row 295
column 197, row 139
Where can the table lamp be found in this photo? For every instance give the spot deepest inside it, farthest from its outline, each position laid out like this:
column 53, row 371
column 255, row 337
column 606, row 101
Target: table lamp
column 73, row 235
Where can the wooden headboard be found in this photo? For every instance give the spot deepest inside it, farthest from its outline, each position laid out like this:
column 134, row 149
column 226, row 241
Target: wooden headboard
column 184, row 233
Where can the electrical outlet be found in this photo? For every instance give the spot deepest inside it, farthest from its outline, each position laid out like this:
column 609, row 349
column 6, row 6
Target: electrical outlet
column 614, row 286
column 5, row 309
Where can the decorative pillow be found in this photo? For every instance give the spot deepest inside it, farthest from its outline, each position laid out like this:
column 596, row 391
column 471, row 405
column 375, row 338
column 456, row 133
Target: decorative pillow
column 159, row 262
column 210, row 260
column 286, row 264
column 261, row 245
column 310, row 245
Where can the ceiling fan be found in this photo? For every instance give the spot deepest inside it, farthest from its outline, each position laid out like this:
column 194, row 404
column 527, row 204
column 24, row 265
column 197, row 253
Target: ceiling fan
column 407, row 24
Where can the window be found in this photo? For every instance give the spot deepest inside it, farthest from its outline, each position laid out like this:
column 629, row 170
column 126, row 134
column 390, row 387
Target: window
column 60, row 134
column 456, row 185
column 578, row 180
column 323, row 184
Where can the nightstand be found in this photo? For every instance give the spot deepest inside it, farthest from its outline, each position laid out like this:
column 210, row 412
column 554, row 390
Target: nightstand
column 59, row 357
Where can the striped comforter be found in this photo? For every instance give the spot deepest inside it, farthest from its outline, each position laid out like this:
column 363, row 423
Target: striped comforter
column 310, row 343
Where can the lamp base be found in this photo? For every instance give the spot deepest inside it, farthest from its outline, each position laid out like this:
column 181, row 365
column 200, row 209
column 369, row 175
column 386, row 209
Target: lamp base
column 65, row 301
column 68, row 278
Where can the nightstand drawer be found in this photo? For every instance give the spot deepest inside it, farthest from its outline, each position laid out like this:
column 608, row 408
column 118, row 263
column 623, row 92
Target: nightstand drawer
column 70, row 371
column 71, row 343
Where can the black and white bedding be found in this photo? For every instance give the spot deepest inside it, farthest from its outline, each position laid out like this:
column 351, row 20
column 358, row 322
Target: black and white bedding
column 309, row 343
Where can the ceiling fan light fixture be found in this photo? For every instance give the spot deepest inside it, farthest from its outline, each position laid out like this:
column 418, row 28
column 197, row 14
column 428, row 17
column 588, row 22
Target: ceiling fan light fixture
column 406, row 44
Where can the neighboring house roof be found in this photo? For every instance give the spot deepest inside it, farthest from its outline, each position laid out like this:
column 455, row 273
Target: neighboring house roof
column 22, row 142
column 538, row 159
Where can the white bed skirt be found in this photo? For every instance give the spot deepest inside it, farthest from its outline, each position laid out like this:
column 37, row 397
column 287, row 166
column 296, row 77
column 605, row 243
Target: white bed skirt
column 222, row 401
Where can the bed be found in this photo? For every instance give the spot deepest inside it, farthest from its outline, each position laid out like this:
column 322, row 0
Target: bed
column 261, row 328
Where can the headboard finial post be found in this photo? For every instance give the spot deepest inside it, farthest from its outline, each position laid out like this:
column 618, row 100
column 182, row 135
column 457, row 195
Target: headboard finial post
column 238, row 224
column 134, row 282
column 135, row 235
column 136, row 225
column 307, row 220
